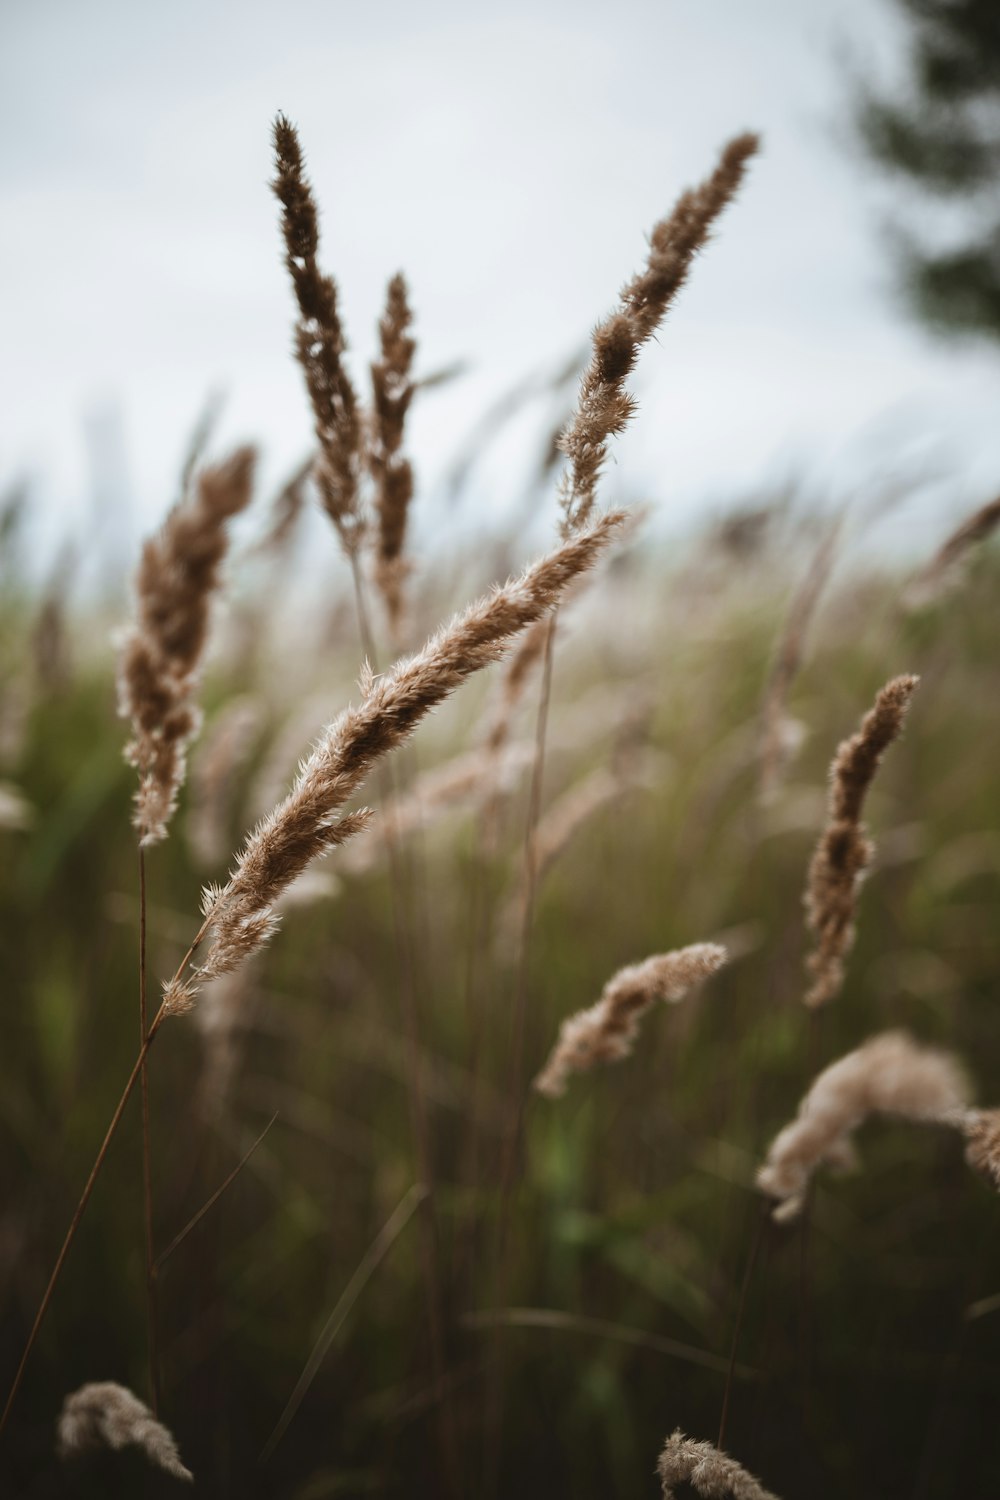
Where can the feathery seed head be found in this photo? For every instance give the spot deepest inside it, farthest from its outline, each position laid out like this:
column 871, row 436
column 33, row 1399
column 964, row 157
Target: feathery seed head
column 607, row 1031
column 106, row 1415
column 707, row 1470
column 890, row 1074
column 844, row 851
column 160, row 654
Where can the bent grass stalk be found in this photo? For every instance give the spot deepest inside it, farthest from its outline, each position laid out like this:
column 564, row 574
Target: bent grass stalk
column 604, row 409
column 376, row 1252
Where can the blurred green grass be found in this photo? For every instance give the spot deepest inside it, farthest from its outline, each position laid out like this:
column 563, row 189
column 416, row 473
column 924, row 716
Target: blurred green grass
column 634, row 1210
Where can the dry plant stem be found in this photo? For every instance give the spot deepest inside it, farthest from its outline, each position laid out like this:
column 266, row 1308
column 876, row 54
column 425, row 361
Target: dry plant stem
column 152, row 1329
column 788, row 658
column 516, row 1071
column 945, row 563
column 210, row 1203
column 604, row 408
column 403, row 933
column 376, row 1252
column 518, row 671
column 530, row 892
column 151, row 1035
column 737, row 1327
column 558, row 1321
column 303, row 826
column 79, row 1212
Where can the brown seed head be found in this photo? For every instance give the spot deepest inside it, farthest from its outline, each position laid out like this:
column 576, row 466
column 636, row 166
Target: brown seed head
column 889, row 1075
column 160, row 655
column 604, row 407
column 392, row 392
column 708, row 1471
column 844, row 851
column 106, row 1415
column 608, row 1030
column 320, row 344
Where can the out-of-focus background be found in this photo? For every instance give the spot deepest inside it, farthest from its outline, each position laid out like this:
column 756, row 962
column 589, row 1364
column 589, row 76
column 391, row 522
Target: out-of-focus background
column 511, row 161
column 816, row 419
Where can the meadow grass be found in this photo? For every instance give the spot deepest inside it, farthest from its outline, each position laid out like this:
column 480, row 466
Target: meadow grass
column 373, row 1259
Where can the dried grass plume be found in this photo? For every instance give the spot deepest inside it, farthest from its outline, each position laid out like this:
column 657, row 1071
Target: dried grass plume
column 392, row 392
column 320, row 345
column 605, row 407
column 106, row 1415
column 844, row 851
column 161, row 653
column 309, row 821
column 607, row 1031
column 708, row 1471
column 890, row 1074
column 982, row 1151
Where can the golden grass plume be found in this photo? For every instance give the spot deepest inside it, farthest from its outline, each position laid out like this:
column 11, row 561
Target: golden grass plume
column 106, row 1415
column 392, row 392
column 707, row 1470
column 161, row 652
column 890, row 1074
column 605, row 407
column 320, row 345
column 606, row 1032
column 844, row 851
column 308, row 822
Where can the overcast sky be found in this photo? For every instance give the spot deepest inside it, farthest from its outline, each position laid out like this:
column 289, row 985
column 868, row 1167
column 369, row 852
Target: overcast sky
column 510, row 158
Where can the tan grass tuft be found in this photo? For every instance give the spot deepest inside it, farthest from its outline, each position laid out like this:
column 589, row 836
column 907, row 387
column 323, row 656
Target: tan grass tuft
column 889, row 1075
column 161, row 653
column 392, row 392
column 844, row 851
column 708, row 1471
column 320, row 344
column 106, row 1415
column 605, row 407
column 982, row 1134
column 607, row 1031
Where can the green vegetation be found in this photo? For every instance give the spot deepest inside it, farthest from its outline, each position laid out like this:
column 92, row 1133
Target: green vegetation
column 630, row 1212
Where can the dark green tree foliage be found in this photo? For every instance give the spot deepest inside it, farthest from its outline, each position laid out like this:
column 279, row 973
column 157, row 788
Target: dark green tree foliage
column 943, row 134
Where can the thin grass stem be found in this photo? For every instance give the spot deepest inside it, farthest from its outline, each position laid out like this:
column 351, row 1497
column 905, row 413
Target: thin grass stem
column 152, row 1314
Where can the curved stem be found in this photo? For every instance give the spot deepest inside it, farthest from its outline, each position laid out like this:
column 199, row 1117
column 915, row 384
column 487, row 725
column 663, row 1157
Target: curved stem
column 80, row 1208
column 147, row 1165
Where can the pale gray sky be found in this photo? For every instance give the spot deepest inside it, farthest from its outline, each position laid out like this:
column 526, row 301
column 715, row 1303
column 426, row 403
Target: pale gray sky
column 509, row 158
